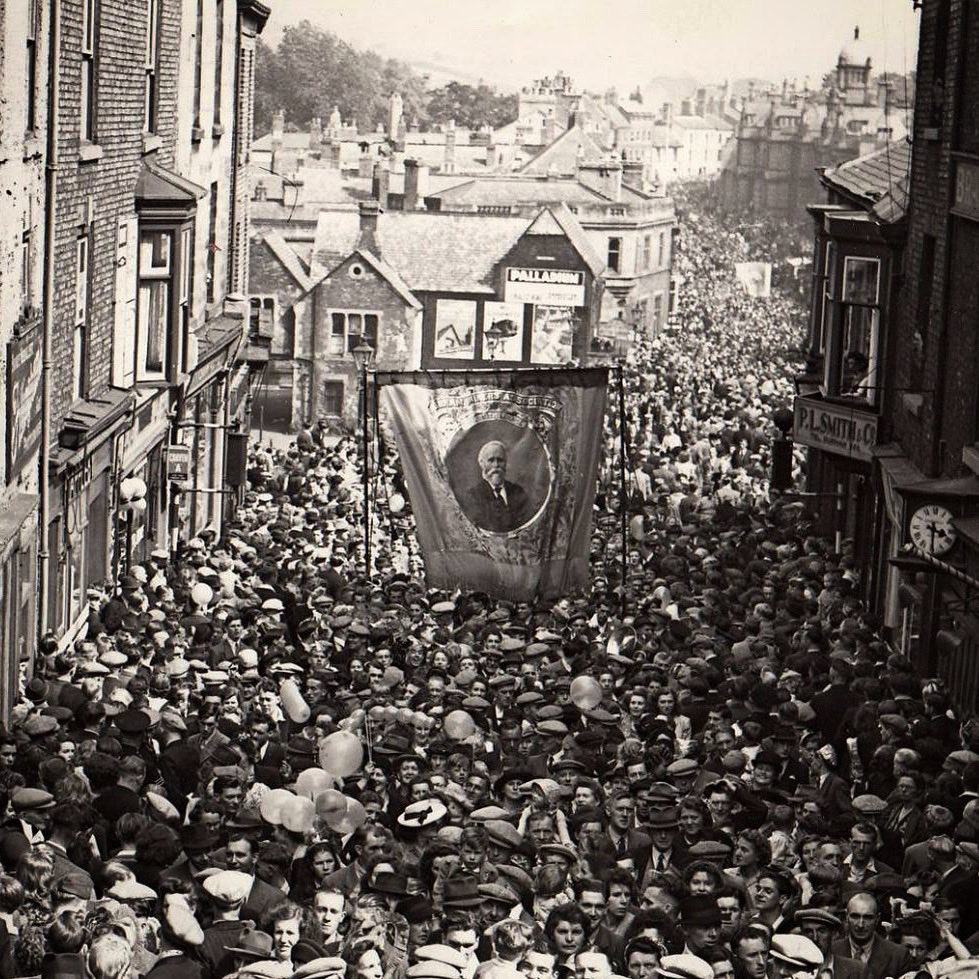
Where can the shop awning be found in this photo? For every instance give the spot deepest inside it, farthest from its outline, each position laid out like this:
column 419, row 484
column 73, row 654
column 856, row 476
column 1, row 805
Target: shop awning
column 13, row 516
column 907, row 478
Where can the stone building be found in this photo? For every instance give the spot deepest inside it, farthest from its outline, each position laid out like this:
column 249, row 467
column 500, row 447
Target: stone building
column 784, row 136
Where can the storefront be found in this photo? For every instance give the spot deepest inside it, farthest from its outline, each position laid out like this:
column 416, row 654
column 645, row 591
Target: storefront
column 841, row 440
column 82, row 473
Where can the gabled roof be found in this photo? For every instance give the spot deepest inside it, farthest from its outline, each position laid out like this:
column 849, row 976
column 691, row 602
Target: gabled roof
column 288, row 257
column 566, row 222
column 562, row 155
column 431, row 252
column 391, row 276
column 440, row 252
column 879, row 180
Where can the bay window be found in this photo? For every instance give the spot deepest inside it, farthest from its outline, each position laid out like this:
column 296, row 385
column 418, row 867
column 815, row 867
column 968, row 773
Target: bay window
column 851, row 326
column 155, row 297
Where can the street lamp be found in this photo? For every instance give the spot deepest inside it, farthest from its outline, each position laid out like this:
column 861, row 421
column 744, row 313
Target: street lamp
column 363, row 355
column 494, row 335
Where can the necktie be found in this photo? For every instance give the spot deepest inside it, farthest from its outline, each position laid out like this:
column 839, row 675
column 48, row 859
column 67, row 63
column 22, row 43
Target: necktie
column 620, row 847
column 660, row 862
column 499, row 497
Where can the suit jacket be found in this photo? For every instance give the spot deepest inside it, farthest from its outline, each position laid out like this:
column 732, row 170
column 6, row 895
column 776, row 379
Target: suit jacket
column 637, row 846
column 916, row 859
column 486, row 510
column 260, row 898
column 844, row 968
column 887, row 959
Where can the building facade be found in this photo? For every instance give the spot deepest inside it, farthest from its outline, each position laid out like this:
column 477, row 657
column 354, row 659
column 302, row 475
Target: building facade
column 25, row 30
column 426, row 291
column 146, row 324
column 784, row 136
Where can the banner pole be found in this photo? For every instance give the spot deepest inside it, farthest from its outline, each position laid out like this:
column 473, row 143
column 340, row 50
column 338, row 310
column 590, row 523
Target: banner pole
column 623, row 516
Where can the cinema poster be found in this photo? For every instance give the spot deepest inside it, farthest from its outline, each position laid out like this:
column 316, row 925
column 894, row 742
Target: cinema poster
column 500, row 467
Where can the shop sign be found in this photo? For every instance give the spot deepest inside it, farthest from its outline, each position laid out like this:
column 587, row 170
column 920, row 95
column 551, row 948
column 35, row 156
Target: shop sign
column 835, row 428
column 547, row 287
column 178, row 463
column 23, row 400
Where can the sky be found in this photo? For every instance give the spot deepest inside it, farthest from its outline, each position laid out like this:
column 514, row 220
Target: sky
column 623, row 43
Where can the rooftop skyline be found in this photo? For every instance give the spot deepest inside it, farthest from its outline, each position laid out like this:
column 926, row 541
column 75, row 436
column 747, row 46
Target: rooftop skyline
column 510, row 42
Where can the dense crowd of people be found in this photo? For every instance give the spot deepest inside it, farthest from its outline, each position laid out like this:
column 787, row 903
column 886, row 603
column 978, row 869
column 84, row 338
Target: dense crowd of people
column 263, row 758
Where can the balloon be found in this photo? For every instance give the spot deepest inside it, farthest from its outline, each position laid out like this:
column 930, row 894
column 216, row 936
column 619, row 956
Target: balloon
column 352, row 818
column 331, row 802
column 312, row 782
column 376, row 713
column 341, row 753
column 459, row 725
column 420, row 719
column 292, row 700
column 404, row 715
column 227, row 579
column 139, row 506
column 390, row 714
column 201, row 593
column 357, row 718
column 586, row 692
column 397, row 503
column 636, row 530
column 272, row 804
column 297, row 815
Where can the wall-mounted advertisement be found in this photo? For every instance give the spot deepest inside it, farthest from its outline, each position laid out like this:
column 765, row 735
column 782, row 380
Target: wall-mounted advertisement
column 553, row 335
column 455, row 329
column 502, row 331
column 556, row 287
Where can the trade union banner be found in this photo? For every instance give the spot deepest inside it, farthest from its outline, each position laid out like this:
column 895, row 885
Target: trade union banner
column 500, row 467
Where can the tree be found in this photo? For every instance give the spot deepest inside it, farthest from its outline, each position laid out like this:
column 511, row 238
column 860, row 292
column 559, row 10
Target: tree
column 471, row 107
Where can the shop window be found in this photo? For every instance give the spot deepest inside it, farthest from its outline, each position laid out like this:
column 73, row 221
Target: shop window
column 852, row 339
column 333, row 398
column 348, row 328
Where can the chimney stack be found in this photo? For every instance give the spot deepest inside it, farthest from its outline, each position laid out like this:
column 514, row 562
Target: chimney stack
column 701, row 101
column 369, row 211
column 611, row 174
column 278, row 124
column 416, row 184
column 449, row 161
column 365, row 167
column 668, row 113
column 380, row 184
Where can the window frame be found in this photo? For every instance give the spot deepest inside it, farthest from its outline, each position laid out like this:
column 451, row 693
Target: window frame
column 837, row 322
column 179, row 300
column 30, row 72
column 88, row 81
column 614, row 248
column 218, row 65
column 347, row 345
column 151, row 66
column 336, row 383
column 80, row 321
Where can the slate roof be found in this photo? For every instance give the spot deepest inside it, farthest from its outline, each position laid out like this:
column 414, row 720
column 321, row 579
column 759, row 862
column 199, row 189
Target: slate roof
column 431, row 252
column 880, row 180
column 562, row 155
column 289, row 258
column 519, row 190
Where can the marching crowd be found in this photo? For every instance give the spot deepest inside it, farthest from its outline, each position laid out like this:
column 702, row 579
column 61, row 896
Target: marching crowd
column 259, row 759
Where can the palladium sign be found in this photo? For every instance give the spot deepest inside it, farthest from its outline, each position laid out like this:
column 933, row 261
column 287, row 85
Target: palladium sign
column 835, row 428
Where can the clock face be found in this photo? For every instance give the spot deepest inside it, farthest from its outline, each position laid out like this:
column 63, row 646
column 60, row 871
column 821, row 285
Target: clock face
column 931, row 529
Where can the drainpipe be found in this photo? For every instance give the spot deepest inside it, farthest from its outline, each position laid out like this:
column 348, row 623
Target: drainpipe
column 50, row 210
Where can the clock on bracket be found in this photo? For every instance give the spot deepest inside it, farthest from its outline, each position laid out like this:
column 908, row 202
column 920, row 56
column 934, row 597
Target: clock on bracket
column 931, row 529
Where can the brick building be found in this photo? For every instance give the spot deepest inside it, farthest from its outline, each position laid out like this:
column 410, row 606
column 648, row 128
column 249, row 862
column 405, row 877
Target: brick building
column 147, row 320
column 928, row 463
column 426, row 290
column 25, row 27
